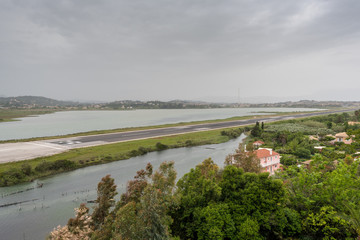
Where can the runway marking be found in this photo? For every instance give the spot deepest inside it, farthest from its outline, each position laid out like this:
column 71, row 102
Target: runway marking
column 44, row 145
column 3, row 150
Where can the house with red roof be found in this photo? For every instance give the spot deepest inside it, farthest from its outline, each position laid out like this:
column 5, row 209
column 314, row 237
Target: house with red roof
column 269, row 160
column 257, row 144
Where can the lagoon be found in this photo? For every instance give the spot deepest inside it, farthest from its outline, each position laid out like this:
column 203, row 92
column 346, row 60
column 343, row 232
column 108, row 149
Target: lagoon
column 61, row 123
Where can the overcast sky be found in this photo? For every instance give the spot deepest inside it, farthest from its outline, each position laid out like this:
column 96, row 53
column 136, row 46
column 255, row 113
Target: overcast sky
column 187, row 49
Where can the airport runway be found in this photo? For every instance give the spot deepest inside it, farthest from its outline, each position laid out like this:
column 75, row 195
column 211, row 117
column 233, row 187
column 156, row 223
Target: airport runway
column 28, row 150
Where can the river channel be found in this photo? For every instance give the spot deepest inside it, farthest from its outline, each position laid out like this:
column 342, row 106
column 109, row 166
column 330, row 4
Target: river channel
column 61, row 123
column 53, row 204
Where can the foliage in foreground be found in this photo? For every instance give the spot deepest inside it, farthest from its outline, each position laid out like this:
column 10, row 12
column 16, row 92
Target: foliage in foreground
column 237, row 202
column 214, row 203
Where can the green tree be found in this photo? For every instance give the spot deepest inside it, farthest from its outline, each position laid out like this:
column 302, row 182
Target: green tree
column 195, row 190
column 248, row 161
column 142, row 212
column 303, row 153
column 326, row 224
column 254, row 196
column 215, row 222
column 353, row 217
column 357, row 114
column 106, row 192
column 288, row 160
column 256, row 131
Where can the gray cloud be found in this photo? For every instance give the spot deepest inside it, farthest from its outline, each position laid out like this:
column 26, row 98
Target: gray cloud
column 111, row 50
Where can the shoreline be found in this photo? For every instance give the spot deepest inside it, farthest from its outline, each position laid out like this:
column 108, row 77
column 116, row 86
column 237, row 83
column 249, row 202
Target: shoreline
column 126, row 129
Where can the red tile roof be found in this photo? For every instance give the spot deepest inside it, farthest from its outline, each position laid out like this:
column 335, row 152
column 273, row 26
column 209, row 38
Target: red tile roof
column 261, row 153
column 258, row 142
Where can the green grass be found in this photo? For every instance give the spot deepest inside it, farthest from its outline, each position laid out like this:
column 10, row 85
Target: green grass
column 83, row 157
column 7, row 115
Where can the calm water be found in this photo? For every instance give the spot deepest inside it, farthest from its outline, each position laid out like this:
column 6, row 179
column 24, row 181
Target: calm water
column 61, row 123
column 55, row 201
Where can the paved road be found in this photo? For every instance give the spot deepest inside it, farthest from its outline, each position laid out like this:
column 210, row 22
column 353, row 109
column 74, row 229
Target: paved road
column 28, row 150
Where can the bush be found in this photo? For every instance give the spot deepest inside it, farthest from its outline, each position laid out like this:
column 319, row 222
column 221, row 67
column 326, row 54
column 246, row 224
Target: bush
column 134, row 153
column 231, row 133
column 62, row 164
column 58, row 164
column 189, row 143
column 296, row 127
column 159, row 146
column 26, row 169
column 338, row 128
column 108, row 158
column 288, row 160
column 143, row 150
column 303, row 153
column 43, row 167
column 314, row 124
column 11, row 177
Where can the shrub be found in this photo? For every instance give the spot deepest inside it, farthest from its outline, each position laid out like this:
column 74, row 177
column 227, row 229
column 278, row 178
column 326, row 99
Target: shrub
column 26, row 169
column 189, row 143
column 314, row 124
column 42, row 167
column 62, row 164
column 11, row 177
column 143, row 150
column 108, row 158
column 303, row 152
column 288, row 160
column 58, row 164
column 134, row 153
column 338, row 128
column 159, row 146
column 231, row 133
column 296, row 127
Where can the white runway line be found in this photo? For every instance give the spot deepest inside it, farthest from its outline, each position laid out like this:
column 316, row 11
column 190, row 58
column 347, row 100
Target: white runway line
column 44, row 145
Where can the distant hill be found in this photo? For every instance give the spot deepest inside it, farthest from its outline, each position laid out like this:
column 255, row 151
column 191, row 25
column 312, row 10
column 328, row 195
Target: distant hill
column 43, row 102
column 175, row 104
column 33, row 102
column 306, row 104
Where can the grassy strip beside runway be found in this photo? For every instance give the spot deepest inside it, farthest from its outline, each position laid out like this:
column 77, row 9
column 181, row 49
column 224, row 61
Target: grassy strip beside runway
column 23, row 171
column 152, row 127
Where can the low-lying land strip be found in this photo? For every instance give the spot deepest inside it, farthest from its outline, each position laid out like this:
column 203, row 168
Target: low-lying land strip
column 21, row 151
column 7, row 115
column 118, row 130
column 127, row 146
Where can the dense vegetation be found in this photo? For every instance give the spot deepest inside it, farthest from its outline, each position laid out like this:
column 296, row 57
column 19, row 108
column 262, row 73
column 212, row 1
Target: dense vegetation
column 316, row 202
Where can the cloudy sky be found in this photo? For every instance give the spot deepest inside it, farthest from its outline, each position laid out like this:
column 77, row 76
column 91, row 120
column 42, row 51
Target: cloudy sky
column 190, row 49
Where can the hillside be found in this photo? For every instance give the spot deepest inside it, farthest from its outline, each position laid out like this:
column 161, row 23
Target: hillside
column 33, row 102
